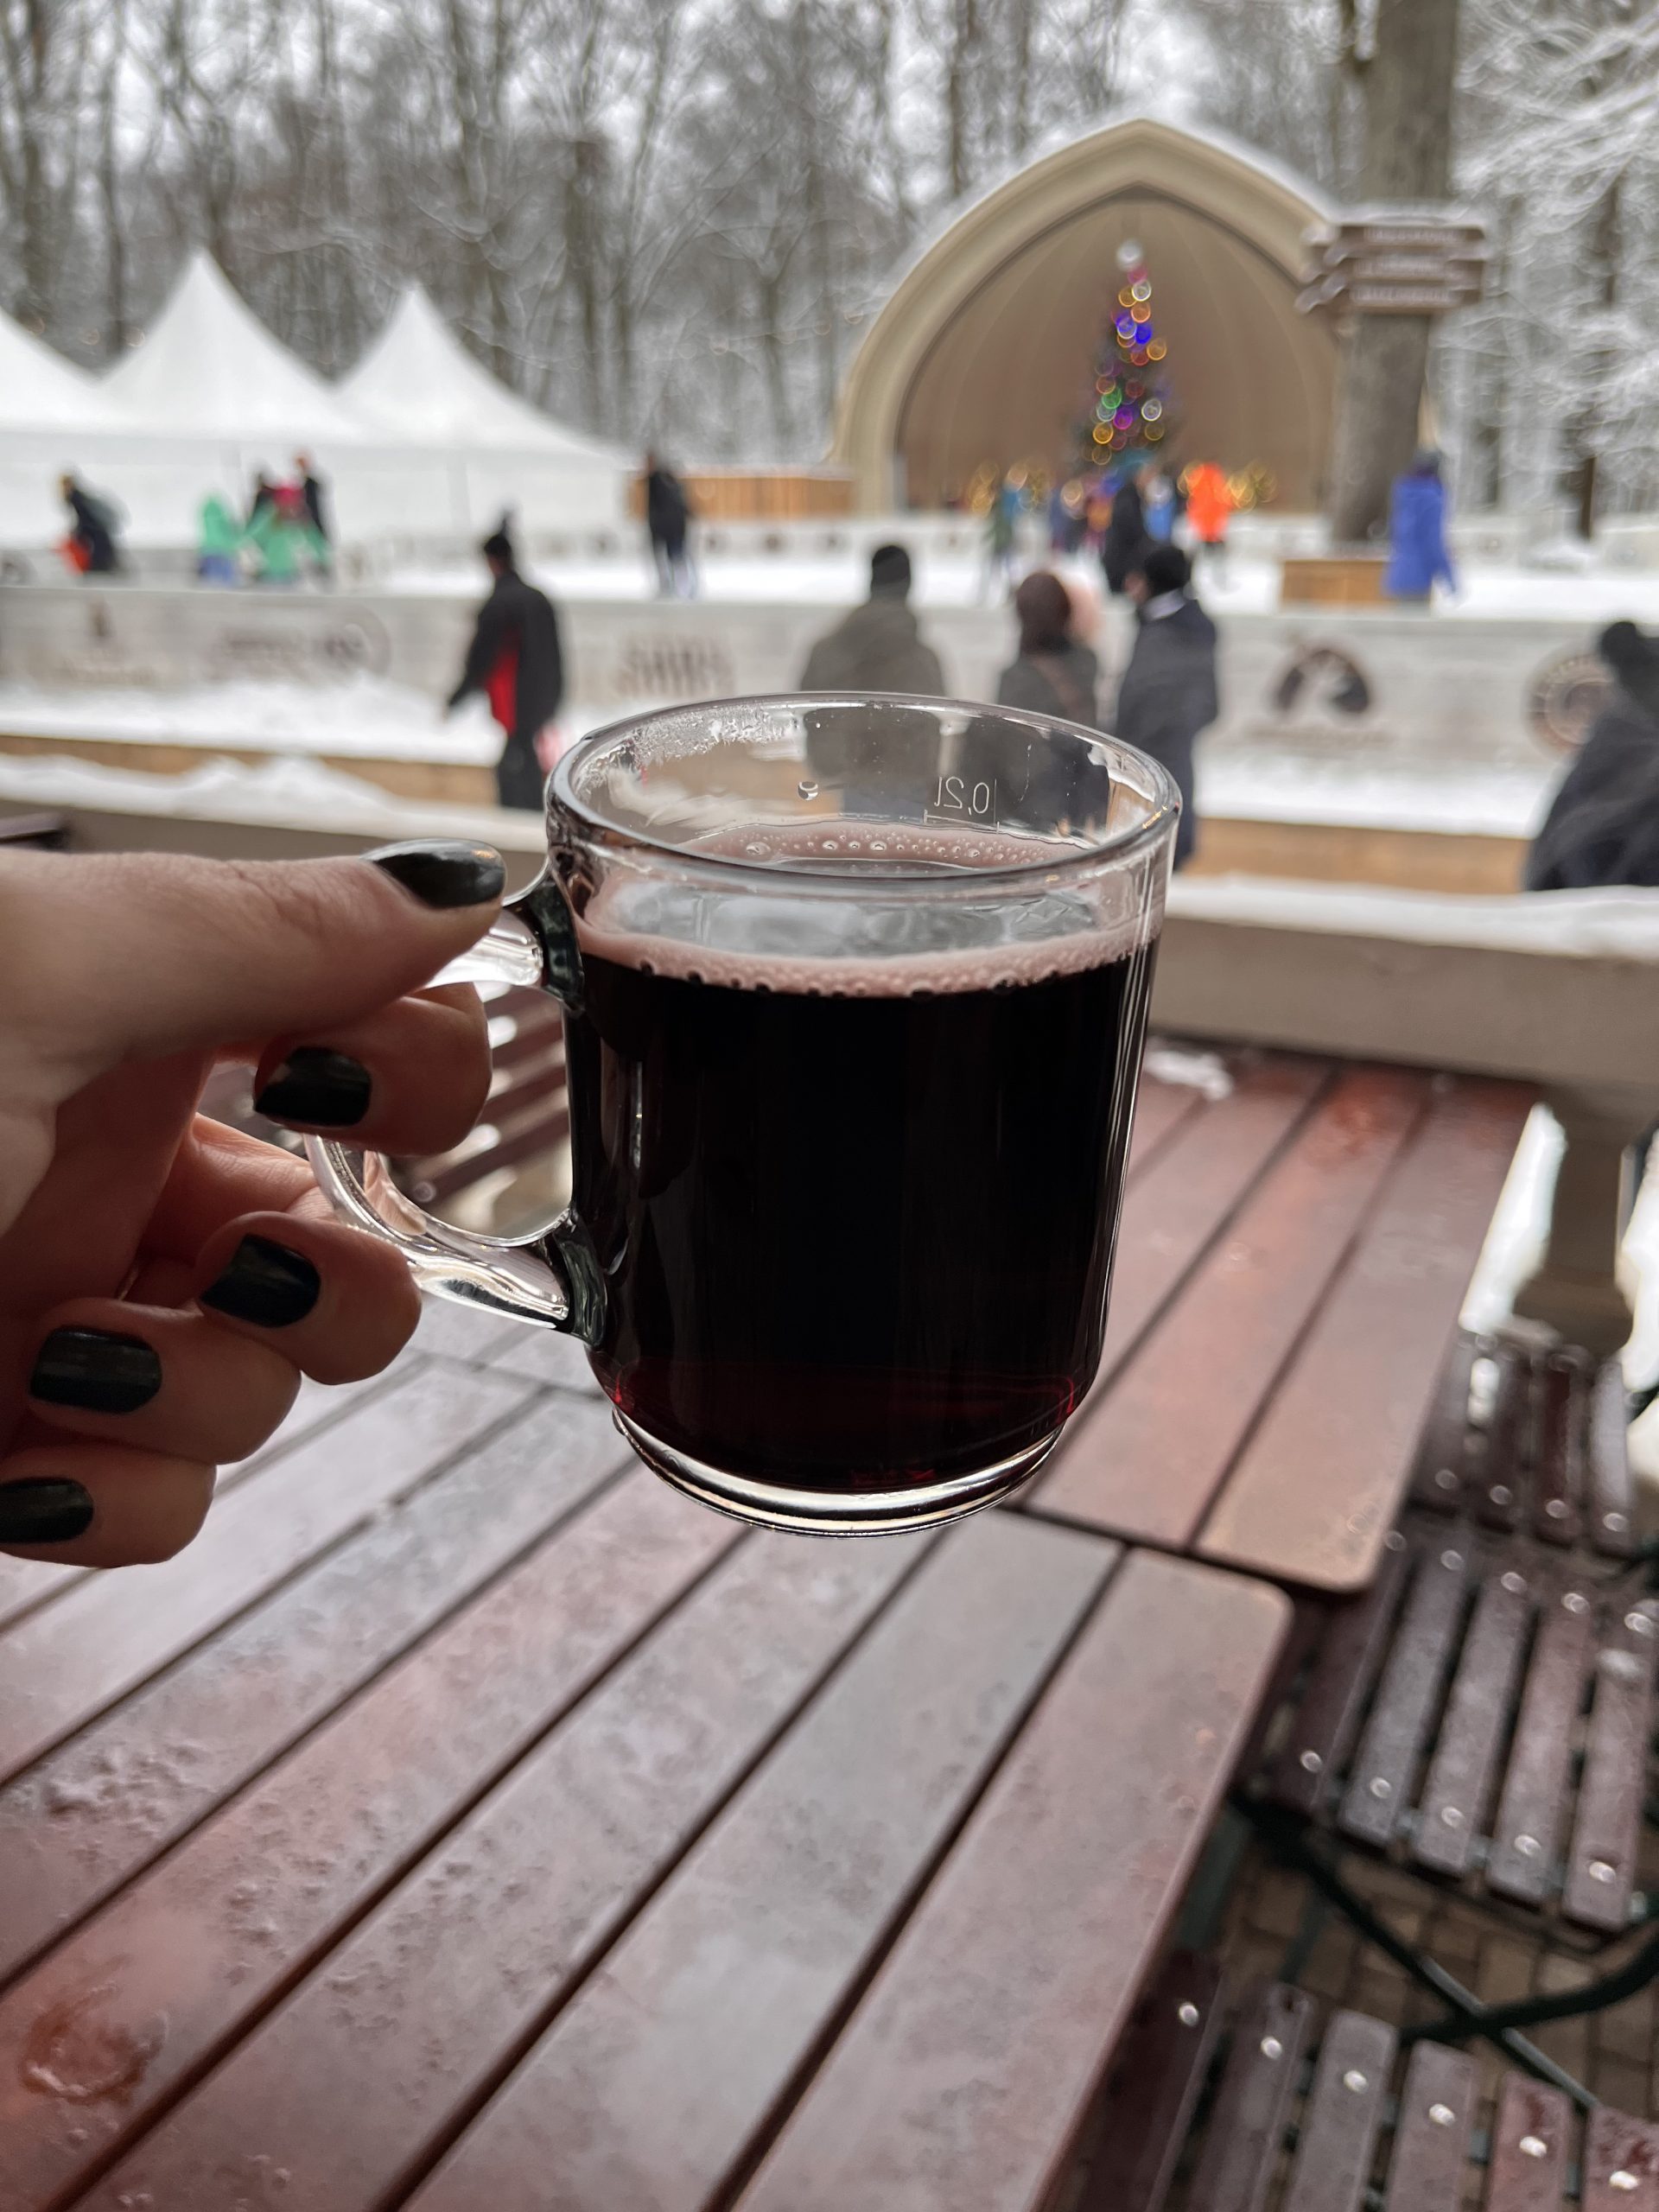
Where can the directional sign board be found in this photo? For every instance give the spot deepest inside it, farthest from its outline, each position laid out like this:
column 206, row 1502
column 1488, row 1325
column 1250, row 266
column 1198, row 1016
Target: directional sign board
column 1397, row 261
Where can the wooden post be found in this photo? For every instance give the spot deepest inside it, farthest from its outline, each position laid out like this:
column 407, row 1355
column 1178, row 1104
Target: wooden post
column 1576, row 1290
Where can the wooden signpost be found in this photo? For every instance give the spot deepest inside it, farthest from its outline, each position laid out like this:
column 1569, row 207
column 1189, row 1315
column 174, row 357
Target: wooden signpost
column 1397, row 261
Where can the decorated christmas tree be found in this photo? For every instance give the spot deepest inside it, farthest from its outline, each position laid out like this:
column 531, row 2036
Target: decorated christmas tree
column 1130, row 413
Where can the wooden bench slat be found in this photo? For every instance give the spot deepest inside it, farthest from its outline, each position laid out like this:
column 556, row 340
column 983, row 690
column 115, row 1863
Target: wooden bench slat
column 1601, row 1865
column 1438, row 2107
column 1506, row 1449
column 107, row 1804
column 1247, row 2126
column 1360, row 1388
column 967, row 2071
column 1612, row 1503
column 1327, row 1716
column 1531, row 2139
column 1146, row 2113
column 1444, row 1465
column 481, row 1939
column 108, row 1633
column 511, row 1148
column 1149, row 1462
column 655, row 2079
column 1159, row 1110
column 164, row 1976
column 1621, row 2164
column 1169, row 1219
column 1457, row 1792
column 1531, row 1823
column 1558, row 1476
column 1339, row 2126
column 1383, row 1768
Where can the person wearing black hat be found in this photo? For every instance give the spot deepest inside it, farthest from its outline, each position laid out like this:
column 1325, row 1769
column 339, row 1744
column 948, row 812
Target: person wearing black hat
column 1168, row 694
column 1603, row 823
column 878, row 647
column 514, row 660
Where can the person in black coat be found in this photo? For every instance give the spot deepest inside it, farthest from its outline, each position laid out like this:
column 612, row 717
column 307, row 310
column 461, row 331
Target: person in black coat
column 1169, row 693
column 514, row 660
column 668, row 515
column 1126, row 538
column 311, row 490
column 92, row 530
column 1603, row 823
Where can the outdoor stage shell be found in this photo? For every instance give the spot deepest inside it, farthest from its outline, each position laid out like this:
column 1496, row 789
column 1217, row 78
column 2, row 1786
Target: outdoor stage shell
column 985, row 349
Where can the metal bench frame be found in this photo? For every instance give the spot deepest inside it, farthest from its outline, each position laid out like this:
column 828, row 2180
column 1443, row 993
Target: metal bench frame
column 1469, row 1665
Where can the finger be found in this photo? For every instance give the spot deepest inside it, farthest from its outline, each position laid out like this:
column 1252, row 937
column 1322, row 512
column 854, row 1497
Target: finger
column 135, row 956
column 100, row 1504
column 409, row 1078
column 158, row 1380
column 218, row 1174
column 339, row 1303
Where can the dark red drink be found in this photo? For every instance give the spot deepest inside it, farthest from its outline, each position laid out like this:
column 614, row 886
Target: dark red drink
column 855, row 1220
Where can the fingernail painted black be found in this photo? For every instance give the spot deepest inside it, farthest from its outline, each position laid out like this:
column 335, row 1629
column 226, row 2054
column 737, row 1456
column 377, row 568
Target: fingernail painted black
column 447, row 874
column 266, row 1283
column 43, row 1510
column 96, row 1370
column 317, row 1088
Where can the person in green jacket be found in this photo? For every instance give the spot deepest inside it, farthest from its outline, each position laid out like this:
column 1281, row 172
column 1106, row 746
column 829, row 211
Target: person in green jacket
column 284, row 537
column 220, row 542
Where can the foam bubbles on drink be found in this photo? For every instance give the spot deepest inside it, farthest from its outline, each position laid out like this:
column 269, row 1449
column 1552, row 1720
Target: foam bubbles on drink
column 776, row 930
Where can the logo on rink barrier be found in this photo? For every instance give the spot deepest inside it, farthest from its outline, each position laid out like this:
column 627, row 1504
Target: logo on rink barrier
column 1564, row 697
column 672, row 667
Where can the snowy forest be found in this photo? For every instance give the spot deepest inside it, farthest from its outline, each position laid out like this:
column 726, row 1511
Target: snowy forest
column 671, row 220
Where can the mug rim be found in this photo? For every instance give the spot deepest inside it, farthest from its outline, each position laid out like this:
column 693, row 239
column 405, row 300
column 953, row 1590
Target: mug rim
column 1114, row 849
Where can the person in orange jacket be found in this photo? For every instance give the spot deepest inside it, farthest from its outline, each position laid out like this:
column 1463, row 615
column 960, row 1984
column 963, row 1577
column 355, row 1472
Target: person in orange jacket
column 1209, row 505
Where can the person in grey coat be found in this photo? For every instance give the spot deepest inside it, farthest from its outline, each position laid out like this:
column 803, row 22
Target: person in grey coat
column 878, row 647
column 1168, row 693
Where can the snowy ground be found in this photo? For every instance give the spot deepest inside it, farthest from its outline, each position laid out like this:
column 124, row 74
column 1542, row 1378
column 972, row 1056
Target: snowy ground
column 363, row 715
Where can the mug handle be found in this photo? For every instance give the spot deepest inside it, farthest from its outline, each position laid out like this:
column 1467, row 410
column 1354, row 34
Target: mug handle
column 552, row 1277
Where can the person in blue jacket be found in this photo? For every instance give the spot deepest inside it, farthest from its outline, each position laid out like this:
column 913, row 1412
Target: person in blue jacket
column 1418, row 558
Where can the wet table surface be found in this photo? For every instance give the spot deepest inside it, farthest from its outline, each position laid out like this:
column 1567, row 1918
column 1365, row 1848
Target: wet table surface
column 467, row 1821
column 1292, row 1261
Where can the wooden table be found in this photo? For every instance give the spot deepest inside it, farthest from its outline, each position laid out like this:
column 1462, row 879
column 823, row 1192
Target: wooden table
column 467, row 1820
column 1292, row 1263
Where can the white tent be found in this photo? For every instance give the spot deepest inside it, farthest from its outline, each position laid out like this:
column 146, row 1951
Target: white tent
column 210, row 369
column 418, row 386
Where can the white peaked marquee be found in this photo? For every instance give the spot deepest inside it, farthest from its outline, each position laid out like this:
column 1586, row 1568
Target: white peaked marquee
column 419, row 442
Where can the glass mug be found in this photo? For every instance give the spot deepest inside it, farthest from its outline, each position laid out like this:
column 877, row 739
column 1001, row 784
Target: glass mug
column 854, row 992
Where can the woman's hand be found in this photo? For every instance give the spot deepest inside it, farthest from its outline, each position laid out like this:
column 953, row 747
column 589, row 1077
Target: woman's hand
column 165, row 1281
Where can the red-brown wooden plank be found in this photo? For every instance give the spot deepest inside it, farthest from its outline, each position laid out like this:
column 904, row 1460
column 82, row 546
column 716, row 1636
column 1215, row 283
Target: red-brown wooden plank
column 1159, row 1110
column 1621, row 2162
column 1612, row 1505
column 1531, row 1819
column 148, row 1992
column 1457, row 1792
column 1247, row 2127
column 649, row 2086
column 351, row 2098
column 1142, row 2127
column 1378, row 1792
column 1532, row 2137
column 109, row 1632
column 1558, row 1475
column 1319, row 1486
column 1601, row 1865
column 965, row 2073
column 109, row 1801
column 1437, row 2108
column 1445, row 1456
column 1175, row 1212
column 1339, row 2126
column 1325, row 1720
column 1152, row 1455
